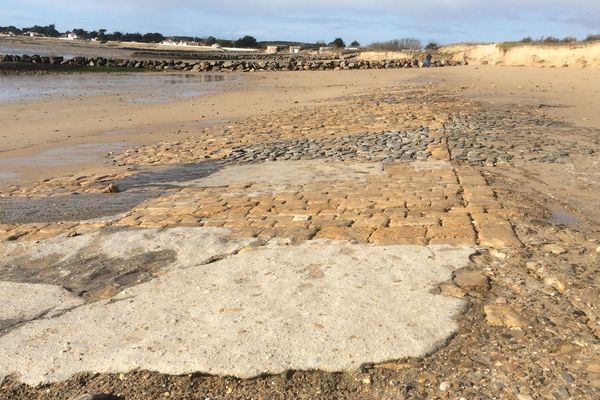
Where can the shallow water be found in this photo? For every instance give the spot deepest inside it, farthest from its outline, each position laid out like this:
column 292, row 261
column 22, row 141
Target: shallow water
column 562, row 216
column 39, row 50
column 134, row 87
column 144, row 184
column 65, row 155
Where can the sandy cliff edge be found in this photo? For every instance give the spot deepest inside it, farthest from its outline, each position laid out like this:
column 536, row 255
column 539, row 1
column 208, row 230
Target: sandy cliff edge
column 582, row 55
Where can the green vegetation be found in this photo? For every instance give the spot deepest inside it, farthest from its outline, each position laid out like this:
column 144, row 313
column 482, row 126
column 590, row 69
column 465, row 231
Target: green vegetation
column 246, row 41
column 337, row 43
column 549, row 41
column 432, row 46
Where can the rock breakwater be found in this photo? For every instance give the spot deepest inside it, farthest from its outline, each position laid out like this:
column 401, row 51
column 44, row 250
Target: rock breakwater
column 289, row 64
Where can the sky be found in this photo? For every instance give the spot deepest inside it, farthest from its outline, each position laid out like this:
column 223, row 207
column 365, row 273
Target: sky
column 443, row 21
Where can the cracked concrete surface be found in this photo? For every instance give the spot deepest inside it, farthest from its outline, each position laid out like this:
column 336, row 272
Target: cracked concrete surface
column 281, row 173
column 22, row 301
column 328, row 305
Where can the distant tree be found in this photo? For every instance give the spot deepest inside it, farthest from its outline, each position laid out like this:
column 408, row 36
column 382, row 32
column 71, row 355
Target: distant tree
column 116, row 36
column 592, row 38
column 152, row 37
column 550, row 39
column 102, row 34
column 568, row 39
column 246, row 41
column 338, row 43
column 432, row 46
column 11, row 29
column 132, row 37
column 355, row 44
column 81, row 33
column 211, row 40
column 527, row 39
column 397, row 45
column 49, row 30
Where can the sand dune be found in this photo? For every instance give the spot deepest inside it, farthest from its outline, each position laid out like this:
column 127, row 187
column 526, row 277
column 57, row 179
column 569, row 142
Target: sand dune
column 568, row 55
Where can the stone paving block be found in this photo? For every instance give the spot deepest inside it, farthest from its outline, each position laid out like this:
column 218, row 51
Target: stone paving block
column 130, row 220
column 413, row 220
column 6, row 228
column 497, row 236
column 214, row 223
column 190, row 221
column 399, row 211
column 375, row 221
column 360, row 234
column 453, row 241
column 319, row 220
column 480, row 218
column 50, row 231
column 246, row 232
column 236, row 223
column 450, row 232
column 398, row 235
column 299, row 233
column 457, row 220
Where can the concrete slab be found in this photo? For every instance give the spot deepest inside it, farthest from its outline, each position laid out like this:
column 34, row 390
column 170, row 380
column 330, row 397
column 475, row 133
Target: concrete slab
column 194, row 244
column 321, row 305
column 25, row 301
column 99, row 265
column 279, row 173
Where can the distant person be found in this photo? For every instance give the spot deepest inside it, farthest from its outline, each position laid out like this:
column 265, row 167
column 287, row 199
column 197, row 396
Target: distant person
column 427, row 60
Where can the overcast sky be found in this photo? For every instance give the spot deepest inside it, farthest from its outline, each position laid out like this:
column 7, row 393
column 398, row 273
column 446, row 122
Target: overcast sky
column 312, row 20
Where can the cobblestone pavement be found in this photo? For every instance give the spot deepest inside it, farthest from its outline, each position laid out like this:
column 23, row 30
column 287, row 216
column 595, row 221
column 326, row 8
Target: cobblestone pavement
column 408, row 166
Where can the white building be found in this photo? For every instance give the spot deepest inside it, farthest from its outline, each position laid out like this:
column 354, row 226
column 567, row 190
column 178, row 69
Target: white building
column 272, row 49
column 69, row 36
column 171, row 42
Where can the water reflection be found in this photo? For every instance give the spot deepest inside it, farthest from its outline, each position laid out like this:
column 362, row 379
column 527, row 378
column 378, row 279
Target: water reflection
column 133, row 87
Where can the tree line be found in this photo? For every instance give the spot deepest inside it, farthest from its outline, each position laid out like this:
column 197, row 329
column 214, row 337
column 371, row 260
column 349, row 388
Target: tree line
column 251, row 42
column 553, row 39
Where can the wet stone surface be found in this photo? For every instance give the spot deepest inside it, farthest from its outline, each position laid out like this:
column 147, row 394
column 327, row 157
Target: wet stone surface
column 92, row 277
column 74, row 207
column 500, row 137
column 386, row 146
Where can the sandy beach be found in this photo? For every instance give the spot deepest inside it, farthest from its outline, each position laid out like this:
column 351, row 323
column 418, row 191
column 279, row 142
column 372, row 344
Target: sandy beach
column 34, row 127
column 363, row 234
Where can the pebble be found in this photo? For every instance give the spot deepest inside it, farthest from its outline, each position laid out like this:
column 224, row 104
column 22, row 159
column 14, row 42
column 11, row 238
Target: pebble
column 471, row 280
column 522, row 396
column 112, row 188
column 445, row 386
column 94, row 396
column 554, row 249
column 503, row 315
column 451, row 290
